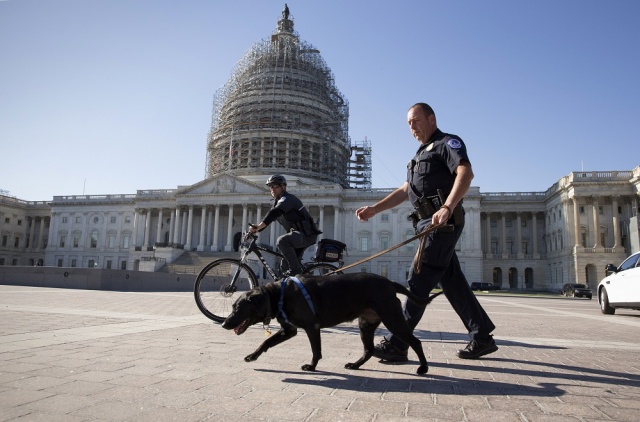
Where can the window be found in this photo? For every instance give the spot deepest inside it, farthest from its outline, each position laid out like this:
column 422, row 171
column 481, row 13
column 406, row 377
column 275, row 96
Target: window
column 78, row 219
column 94, row 239
column 600, row 210
column 59, row 262
column 523, row 223
column 63, row 238
column 73, row 262
column 384, row 269
column 384, row 241
column 7, row 220
column 125, row 241
column 127, row 219
column 64, row 220
column 109, row 264
column 19, row 222
column 5, row 239
column 1, row 261
column 112, row 240
column 76, row 240
column 92, row 264
column 95, row 220
column 16, row 242
column 112, row 219
column 410, row 247
column 384, row 218
column 364, row 243
column 581, row 209
column 123, row 265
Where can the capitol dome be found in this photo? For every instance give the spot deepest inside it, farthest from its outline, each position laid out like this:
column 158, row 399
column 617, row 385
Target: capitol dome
column 280, row 112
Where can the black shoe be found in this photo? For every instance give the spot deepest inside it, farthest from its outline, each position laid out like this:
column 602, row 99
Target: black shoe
column 387, row 351
column 476, row 348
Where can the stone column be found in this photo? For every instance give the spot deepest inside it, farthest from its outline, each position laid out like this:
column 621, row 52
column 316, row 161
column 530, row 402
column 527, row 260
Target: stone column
column 209, row 229
column 32, row 242
column 505, row 253
column 183, row 229
column 229, row 246
column 258, row 213
column 135, row 228
column 336, row 222
column 616, row 227
column 176, row 230
column 147, row 227
column 519, row 236
column 216, row 231
column 245, row 222
column 487, row 240
column 534, row 234
column 159, row 238
column 576, row 223
column 203, row 226
column 321, row 221
column 172, row 219
column 596, row 222
column 188, row 246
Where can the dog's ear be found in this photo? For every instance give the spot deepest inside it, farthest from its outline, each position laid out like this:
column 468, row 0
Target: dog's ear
column 261, row 302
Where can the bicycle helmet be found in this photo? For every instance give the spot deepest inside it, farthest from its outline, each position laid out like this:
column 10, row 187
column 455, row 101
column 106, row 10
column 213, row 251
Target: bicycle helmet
column 276, row 179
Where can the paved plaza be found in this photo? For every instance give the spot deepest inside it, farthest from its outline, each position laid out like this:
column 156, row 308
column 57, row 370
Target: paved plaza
column 86, row 355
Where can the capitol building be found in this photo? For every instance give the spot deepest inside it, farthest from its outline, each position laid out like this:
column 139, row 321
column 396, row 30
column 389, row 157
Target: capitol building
column 281, row 113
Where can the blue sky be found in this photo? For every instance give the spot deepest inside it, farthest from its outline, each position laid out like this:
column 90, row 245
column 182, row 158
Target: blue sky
column 109, row 97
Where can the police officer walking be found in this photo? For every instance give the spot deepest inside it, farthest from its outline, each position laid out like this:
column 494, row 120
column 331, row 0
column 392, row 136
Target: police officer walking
column 437, row 178
column 301, row 230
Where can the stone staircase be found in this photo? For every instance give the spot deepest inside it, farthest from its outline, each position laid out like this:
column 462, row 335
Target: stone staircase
column 193, row 262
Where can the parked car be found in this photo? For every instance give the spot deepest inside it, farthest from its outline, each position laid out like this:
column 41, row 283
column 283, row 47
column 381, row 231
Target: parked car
column 621, row 287
column 576, row 290
column 484, row 286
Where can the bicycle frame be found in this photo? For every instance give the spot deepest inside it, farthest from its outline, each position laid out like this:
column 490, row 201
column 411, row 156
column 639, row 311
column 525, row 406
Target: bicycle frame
column 252, row 247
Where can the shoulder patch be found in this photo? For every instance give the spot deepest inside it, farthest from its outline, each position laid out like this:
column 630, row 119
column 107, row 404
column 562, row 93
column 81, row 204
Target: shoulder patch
column 454, row 143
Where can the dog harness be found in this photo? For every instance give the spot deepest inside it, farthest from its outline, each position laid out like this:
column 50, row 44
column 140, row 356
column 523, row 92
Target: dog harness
column 304, row 291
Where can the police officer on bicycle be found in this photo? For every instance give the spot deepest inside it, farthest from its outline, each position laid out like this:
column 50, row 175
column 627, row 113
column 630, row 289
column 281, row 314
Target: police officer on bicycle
column 301, row 230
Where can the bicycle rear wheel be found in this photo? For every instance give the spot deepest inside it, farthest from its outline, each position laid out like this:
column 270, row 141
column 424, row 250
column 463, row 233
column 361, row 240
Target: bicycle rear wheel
column 218, row 286
column 322, row 268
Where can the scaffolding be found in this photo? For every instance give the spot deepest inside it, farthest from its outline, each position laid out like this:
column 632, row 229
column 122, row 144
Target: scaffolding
column 280, row 112
column 360, row 165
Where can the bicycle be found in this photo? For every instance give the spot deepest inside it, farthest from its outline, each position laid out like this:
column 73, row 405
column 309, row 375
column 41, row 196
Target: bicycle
column 220, row 283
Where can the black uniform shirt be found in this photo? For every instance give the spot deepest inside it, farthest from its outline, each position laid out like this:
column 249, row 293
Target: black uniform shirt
column 288, row 210
column 435, row 164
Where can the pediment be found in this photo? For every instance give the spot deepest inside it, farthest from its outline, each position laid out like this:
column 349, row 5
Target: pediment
column 223, row 184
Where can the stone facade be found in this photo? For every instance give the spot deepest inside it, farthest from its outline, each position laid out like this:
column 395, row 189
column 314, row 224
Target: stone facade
column 520, row 240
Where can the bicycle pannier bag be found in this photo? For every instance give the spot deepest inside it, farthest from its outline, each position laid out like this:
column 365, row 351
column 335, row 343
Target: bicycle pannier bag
column 329, row 250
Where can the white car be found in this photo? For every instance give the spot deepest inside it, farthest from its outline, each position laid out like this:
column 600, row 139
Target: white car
column 621, row 288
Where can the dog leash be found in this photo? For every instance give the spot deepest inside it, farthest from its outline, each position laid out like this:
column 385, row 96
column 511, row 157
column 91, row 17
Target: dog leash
column 429, row 229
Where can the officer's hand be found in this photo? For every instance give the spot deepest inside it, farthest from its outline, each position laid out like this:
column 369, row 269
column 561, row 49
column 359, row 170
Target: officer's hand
column 365, row 213
column 440, row 217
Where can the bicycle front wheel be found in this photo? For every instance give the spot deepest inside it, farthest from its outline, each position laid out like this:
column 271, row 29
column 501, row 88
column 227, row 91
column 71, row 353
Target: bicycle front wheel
column 322, row 268
column 219, row 284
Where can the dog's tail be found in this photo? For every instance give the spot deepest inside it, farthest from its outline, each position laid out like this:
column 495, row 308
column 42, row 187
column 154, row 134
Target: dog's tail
column 414, row 298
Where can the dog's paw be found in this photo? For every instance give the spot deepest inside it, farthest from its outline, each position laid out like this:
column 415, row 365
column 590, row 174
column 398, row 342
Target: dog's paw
column 352, row 365
column 308, row 367
column 423, row 369
column 251, row 357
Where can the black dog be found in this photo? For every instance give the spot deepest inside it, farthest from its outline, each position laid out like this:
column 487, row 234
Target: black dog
column 325, row 301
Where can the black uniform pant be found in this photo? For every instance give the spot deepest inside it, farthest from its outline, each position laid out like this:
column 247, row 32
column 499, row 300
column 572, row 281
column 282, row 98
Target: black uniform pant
column 440, row 265
column 292, row 245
